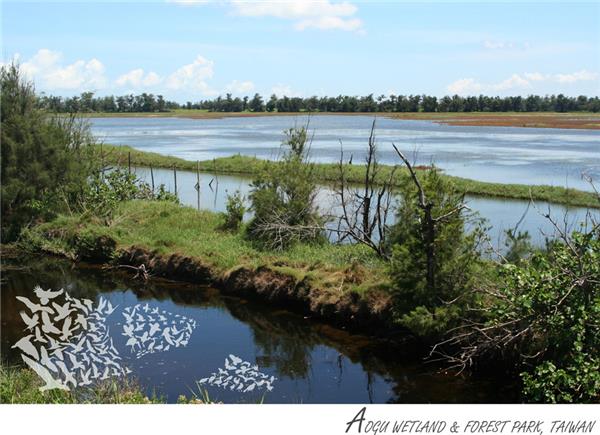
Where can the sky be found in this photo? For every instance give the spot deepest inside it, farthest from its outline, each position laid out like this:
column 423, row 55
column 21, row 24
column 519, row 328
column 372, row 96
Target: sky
column 189, row 50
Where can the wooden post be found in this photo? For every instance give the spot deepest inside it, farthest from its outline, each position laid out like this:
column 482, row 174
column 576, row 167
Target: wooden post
column 198, row 181
column 175, row 178
column 152, row 178
column 129, row 161
column 101, row 162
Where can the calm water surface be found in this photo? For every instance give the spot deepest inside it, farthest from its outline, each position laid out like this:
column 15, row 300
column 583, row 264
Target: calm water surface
column 312, row 362
column 500, row 214
column 497, row 154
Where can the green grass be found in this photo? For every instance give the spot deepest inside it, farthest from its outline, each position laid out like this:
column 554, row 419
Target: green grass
column 21, row 385
column 245, row 165
column 168, row 228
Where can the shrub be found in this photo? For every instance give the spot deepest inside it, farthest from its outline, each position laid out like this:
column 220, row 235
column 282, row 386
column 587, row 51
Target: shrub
column 429, row 303
column 235, row 211
column 551, row 305
column 283, row 198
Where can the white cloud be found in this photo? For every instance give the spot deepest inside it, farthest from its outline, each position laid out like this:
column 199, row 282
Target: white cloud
column 190, row 2
column 237, row 87
column 535, row 77
column 136, row 78
column 464, row 86
column 193, row 77
column 497, row 45
column 513, row 82
column 317, row 14
column 47, row 70
column 330, row 23
column 582, row 75
column 518, row 82
column 284, row 90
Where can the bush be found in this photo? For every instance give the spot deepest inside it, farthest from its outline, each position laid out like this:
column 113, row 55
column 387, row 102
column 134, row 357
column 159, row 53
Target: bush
column 235, row 211
column 283, row 198
column 551, row 305
column 104, row 192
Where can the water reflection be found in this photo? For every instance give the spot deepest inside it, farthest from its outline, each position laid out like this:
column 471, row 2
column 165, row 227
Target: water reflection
column 312, row 362
column 500, row 214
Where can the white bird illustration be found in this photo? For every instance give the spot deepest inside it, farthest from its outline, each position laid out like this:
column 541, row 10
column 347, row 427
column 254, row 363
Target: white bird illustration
column 89, row 304
column 46, row 295
column 75, row 364
column 81, row 320
column 154, row 328
column 79, row 346
column 66, row 329
column 46, row 361
column 46, row 376
column 25, row 345
column 68, row 375
column 85, row 377
column 234, row 359
column 101, row 305
column 62, row 311
column 110, row 309
column 33, row 307
column 47, row 326
column 30, row 322
column 127, row 330
column 38, row 336
column 95, row 371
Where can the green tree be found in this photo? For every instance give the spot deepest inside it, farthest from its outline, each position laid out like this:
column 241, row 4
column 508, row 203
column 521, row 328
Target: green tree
column 433, row 259
column 46, row 160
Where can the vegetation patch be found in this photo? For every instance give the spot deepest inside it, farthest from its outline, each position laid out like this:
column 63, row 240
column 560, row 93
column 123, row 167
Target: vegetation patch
column 343, row 284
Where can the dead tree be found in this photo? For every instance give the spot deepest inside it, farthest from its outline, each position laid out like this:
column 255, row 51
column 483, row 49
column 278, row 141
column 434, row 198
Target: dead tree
column 365, row 209
column 429, row 222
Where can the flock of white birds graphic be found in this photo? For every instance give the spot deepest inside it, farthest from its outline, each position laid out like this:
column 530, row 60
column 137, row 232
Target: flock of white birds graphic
column 68, row 342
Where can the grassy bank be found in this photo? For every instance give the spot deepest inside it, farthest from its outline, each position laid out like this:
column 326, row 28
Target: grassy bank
column 244, row 165
column 168, row 229
column 21, row 385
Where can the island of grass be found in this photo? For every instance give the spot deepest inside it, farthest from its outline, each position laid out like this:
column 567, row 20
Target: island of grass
column 329, row 172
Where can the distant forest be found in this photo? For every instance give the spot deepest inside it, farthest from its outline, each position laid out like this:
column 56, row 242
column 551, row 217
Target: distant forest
column 145, row 102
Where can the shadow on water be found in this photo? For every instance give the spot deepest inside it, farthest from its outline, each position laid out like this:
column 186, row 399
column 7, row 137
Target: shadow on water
column 312, row 361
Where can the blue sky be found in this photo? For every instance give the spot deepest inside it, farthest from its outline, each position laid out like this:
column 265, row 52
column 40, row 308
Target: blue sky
column 199, row 49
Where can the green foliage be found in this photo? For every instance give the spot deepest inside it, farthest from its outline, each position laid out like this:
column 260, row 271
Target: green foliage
column 430, row 305
column 283, row 197
column 45, row 160
column 235, row 210
column 104, row 192
column 553, row 303
column 518, row 245
column 21, row 385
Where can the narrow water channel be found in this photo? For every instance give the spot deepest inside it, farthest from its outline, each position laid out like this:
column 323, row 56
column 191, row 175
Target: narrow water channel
column 499, row 214
column 300, row 360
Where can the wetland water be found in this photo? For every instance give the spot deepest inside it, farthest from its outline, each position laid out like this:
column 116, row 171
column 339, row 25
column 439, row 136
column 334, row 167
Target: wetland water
column 501, row 214
column 555, row 157
column 304, row 360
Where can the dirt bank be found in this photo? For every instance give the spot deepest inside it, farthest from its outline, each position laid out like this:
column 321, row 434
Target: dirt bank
column 369, row 313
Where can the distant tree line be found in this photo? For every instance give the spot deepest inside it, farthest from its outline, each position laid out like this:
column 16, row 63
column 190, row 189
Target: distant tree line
column 86, row 102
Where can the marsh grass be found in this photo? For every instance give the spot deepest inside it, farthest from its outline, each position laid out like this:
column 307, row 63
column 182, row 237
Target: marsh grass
column 169, row 228
column 21, row 385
